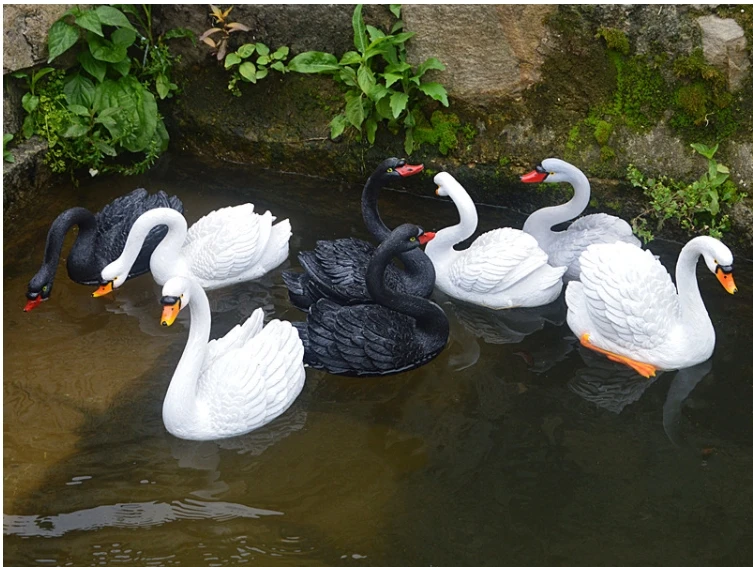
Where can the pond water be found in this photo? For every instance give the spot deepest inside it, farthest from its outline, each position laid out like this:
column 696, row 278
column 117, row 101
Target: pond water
column 512, row 447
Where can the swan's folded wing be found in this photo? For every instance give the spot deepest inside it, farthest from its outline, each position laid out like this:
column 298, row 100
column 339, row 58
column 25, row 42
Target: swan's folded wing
column 497, row 260
column 591, row 229
column 227, row 242
column 365, row 338
column 629, row 295
column 343, row 262
column 235, row 337
column 252, row 381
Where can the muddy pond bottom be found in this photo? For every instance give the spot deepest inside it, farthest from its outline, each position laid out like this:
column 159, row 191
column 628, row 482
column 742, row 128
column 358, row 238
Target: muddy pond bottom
column 513, row 447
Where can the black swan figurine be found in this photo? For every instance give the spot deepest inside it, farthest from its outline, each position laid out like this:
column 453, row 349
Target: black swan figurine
column 398, row 333
column 336, row 269
column 101, row 238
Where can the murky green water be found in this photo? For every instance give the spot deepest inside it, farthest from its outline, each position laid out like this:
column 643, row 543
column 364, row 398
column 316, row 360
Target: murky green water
column 511, row 448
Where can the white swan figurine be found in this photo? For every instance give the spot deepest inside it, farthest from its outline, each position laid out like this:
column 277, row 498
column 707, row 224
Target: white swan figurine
column 231, row 385
column 626, row 307
column 564, row 247
column 503, row 268
column 225, row 247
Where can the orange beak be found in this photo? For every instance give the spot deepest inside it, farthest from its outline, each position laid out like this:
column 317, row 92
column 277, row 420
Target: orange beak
column 426, row 237
column 726, row 279
column 104, row 289
column 170, row 313
column 32, row 303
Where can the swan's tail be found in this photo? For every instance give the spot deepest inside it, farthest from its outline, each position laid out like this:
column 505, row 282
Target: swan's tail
column 576, row 308
column 301, row 291
column 278, row 245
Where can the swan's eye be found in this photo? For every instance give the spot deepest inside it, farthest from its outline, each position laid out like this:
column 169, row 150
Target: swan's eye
column 115, row 279
column 44, row 288
column 412, row 238
column 390, row 170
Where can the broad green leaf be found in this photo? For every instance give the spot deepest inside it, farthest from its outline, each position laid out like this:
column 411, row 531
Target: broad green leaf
column 246, row 50
column 722, row 168
column 314, row 62
column 366, row 79
column 28, row 126
column 402, row 37
column 378, row 92
column 430, row 63
column 20, row 75
column 113, row 17
column 337, row 126
column 161, row 134
column 350, row 58
column 408, row 144
column 60, row 39
column 261, row 73
column 90, row 21
column 75, row 131
column 714, row 204
column 38, row 75
column 397, row 68
column 281, row 53
column 105, row 50
column 354, row 111
column 704, row 150
column 371, row 128
column 374, row 33
column 79, row 90
column 263, row 60
column 383, row 108
column 262, row 49
column 29, row 102
column 163, row 86
column 123, row 67
column 180, row 33
column 105, row 148
column 136, row 121
column 397, row 26
column 435, row 91
column 398, row 102
column 390, row 79
column 78, row 110
column 95, row 68
column 395, row 9
column 248, row 71
column 107, row 113
column 278, row 66
column 123, row 37
column 359, row 30
column 410, row 119
column 348, row 76
column 130, row 9
column 232, row 59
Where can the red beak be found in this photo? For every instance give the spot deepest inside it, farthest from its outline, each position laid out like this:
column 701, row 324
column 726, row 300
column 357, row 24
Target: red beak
column 425, row 237
column 408, row 169
column 32, row 303
column 533, row 177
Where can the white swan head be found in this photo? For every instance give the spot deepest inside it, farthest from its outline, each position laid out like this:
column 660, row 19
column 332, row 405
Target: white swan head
column 554, row 170
column 447, row 185
column 718, row 259
column 176, row 295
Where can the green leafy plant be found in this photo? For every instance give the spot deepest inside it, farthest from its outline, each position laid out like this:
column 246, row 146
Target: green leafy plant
column 700, row 207
column 221, row 29
column 239, row 62
column 7, row 155
column 105, row 107
column 379, row 83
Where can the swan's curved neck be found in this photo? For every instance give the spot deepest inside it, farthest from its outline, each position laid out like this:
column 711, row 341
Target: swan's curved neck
column 167, row 251
column 539, row 224
column 429, row 317
column 448, row 237
column 691, row 302
column 82, row 253
column 369, row 210
column 180, row 401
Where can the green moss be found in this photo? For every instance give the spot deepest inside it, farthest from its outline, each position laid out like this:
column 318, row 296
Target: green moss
column 602, row 131
column 504, row 161
column 607, row 153
column 615, row 39
column 441, row 132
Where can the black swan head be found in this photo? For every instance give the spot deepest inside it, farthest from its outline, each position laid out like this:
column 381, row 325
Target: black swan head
column 40, row 288
column 394, row 168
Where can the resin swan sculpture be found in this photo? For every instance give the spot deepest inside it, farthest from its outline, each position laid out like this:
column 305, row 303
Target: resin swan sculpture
column 503, row 268
column 397, row 333
column 336, row 269
column 225, row 247
column 231, row 385
column 101, row 238
column 565, row 247
column 626, row 307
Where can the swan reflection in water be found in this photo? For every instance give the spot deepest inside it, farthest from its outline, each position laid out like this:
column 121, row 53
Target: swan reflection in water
column 613, row 387
column 469, row 322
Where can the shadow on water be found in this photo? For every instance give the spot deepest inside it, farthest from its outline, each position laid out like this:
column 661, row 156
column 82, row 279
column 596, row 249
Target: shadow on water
column 511, row 447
